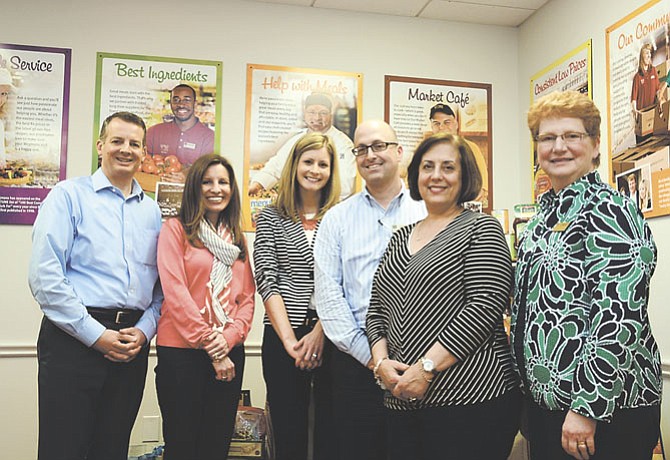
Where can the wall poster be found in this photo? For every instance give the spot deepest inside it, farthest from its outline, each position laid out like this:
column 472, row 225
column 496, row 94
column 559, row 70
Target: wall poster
column 637, row 106
column 34, row 101
column 178, row 99
column 419, row 107
column 284, row 103
column 570, row 72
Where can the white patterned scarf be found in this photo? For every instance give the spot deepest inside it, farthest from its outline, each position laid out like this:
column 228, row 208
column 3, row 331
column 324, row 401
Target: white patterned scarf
column 225, row 254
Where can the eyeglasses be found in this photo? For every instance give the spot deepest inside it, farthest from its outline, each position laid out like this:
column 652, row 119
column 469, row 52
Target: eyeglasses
column 182, row 100
column 570, row 138
column 375, row 146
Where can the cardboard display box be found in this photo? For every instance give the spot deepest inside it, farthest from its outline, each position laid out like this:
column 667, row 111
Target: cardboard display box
column 620, row 166
column 662, row 69
column 246, row 449
column 661, row 121
column 645, row 122
column 656, row 161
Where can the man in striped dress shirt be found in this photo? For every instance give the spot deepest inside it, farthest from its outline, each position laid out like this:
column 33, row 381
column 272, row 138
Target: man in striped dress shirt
column 351, row 240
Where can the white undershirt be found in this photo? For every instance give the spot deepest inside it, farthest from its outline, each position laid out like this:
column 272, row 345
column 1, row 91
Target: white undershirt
column 310, row 237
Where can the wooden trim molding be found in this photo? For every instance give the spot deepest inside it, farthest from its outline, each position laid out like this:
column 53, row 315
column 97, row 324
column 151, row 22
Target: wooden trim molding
column 30, row 351
column 18, row 351
column 252, row 350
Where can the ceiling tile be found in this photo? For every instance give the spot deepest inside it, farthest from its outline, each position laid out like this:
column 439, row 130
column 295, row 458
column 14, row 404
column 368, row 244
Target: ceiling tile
column 395, row 7
column 490, row 12
column 287, row 2
column 474, row 13
column 524, row 4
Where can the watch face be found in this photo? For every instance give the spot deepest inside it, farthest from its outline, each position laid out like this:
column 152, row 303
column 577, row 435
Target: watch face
column 428, row 365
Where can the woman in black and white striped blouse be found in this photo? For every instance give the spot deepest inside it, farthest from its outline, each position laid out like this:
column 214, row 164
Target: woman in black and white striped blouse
column 294, row 346
column 435, row 319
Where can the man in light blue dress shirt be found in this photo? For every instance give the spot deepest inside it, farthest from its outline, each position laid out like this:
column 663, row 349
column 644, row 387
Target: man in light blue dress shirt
column 350, row 242
column 93, row 273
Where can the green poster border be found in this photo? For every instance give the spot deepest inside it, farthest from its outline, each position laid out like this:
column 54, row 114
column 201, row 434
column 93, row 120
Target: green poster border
column 101, row 56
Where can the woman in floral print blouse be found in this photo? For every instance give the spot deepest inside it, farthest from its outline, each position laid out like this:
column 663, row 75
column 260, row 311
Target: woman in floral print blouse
column 580, row 330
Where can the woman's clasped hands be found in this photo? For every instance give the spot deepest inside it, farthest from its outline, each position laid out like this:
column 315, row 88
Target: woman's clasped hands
column 217, row 348
column 402, row 380
column 308, row 351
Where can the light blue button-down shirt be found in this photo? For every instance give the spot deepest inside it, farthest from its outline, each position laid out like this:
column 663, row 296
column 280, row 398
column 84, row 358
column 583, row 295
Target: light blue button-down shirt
column 93, row 247
column 351, row 240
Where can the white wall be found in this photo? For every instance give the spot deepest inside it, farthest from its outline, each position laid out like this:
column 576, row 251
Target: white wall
column 236, row 33
column 556, row 29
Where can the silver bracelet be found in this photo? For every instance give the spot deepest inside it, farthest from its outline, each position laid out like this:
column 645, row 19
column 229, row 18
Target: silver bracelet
column 378, row 379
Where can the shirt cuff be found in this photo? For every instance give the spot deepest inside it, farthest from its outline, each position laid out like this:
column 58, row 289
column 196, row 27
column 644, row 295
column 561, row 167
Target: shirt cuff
column 360, row 350
column 232, row 336
column 91, row 331
column 146, row 325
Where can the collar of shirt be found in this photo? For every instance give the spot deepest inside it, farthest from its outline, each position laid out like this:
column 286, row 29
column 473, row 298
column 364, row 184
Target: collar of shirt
column 195, row 125
column 550, row 199
column 395, row 202
column 100, row 182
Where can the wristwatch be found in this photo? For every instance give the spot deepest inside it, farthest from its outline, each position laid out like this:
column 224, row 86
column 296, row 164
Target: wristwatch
column 428, row 367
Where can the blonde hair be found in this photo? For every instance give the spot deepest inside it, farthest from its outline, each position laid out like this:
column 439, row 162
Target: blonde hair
column 288, row 201
column 640, row 64
column 646, row 194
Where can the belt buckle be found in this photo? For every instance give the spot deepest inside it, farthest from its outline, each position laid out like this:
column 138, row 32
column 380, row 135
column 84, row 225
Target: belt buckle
column 119, row 317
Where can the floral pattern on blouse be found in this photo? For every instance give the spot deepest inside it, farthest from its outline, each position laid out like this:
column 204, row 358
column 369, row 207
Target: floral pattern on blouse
column 580, row 331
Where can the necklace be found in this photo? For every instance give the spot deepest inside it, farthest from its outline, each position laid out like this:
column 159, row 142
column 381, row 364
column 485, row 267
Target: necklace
column 308, row 221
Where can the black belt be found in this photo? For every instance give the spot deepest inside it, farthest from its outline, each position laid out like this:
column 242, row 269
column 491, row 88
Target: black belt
column 115, row 318
column 311, row 319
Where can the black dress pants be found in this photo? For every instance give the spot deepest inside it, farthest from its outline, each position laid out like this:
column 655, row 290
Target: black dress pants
column 289, row 392
column 482, row 431
column 631, row 435
column 198, row 411
column 87, row 404
column 358, row 410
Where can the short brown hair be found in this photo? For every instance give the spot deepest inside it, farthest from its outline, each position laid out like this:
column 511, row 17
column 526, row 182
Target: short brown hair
column 471, row 178
column 566, row 104
column 128, row 117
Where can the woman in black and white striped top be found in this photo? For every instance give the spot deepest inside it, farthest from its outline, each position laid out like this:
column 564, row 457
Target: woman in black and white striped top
column 435, row 319
column 294, row 347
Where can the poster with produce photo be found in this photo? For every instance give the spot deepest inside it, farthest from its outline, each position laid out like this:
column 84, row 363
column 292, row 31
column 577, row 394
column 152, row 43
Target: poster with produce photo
column 34, row 99
column 284, row 104
column 419, row 107
column 179, row 101
column 637, row 99
column 169, row 197
column 570, row 72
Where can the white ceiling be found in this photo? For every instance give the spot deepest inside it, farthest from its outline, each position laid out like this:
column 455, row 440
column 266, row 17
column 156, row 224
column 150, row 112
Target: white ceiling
column 510, row 13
